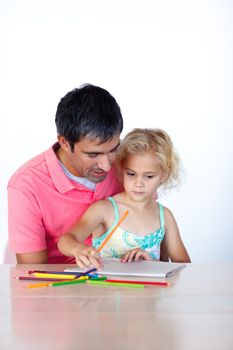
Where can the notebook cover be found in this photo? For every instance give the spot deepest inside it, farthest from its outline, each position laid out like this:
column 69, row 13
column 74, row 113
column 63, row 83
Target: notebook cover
column 142, row 268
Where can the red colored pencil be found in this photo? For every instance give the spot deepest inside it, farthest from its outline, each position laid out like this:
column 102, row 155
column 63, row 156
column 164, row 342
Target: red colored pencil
column 154, row 283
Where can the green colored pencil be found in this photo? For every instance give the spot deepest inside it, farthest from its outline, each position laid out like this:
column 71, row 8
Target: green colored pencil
column 103, row 278
column 116, row 284
column 57, row 284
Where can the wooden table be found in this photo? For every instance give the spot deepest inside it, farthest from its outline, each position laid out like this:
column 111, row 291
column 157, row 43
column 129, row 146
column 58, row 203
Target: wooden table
column 196, row 312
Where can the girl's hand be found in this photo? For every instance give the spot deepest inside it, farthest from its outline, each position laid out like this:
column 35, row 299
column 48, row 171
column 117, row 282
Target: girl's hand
column 135, row 255
column 88, row 257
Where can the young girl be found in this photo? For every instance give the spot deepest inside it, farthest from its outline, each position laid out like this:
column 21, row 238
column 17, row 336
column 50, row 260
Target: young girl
column 146, row 162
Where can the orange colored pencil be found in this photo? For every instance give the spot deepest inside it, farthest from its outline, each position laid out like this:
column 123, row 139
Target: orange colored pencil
column 38, row 285
column 113, row 230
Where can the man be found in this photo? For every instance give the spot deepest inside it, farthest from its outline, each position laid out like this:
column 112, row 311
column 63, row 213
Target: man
column 48, row 194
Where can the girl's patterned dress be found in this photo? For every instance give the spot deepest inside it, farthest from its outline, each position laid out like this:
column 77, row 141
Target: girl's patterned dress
column 122, row 240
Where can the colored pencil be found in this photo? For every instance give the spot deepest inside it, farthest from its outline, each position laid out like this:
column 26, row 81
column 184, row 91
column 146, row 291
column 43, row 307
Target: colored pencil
column 32, row 278
column 117, row 284
column 93, row 269
column 51, row 275
column 113, row 230
column 102, row 278
column 31, row 272
column 154, row 283
column 38, row 285
column 80, row 280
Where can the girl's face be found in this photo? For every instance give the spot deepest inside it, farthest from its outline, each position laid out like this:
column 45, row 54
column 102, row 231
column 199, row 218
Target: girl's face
column 142, row 175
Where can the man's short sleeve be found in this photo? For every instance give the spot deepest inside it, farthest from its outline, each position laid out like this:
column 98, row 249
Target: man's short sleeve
column 26, row 231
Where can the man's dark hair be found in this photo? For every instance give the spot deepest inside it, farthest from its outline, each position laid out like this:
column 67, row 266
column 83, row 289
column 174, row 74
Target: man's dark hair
column 88, row 111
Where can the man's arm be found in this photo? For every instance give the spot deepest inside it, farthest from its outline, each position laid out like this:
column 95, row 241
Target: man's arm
column 26, row 230
column 32, row 258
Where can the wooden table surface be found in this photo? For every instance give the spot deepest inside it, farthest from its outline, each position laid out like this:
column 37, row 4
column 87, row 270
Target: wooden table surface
column 196, row 312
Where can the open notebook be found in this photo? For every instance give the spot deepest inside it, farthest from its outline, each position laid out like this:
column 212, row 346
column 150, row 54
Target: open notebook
column 140, row 268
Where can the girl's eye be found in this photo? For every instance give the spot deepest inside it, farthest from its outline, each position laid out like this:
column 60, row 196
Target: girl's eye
column 149, row 176
column 130, row 174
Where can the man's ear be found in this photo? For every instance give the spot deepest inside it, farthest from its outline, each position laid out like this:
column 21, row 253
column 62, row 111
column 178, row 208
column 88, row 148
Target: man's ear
column 63, row 143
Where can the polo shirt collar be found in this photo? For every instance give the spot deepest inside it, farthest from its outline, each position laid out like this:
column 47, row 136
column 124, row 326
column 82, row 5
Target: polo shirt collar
column 60, row 180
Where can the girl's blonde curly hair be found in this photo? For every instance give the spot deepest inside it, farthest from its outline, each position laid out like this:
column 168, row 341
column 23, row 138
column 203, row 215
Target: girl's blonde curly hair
column 156, row 141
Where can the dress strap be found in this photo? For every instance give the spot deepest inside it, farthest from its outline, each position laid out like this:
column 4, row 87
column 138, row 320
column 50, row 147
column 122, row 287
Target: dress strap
column 161, row 215
column 116, row 210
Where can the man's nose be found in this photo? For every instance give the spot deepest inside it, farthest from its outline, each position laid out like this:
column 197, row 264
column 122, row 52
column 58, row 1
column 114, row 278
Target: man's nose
column 105, row 163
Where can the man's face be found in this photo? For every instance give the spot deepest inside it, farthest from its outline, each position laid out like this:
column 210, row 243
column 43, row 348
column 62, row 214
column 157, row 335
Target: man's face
column 89, row 159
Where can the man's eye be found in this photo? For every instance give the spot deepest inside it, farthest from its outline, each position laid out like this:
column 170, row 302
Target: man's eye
column 92, row 155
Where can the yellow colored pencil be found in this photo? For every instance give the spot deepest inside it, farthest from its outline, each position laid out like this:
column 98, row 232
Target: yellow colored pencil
column 113, row 230
column 57, row 276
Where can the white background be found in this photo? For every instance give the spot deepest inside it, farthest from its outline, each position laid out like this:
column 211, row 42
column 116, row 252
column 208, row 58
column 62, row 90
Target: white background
column 168, row 64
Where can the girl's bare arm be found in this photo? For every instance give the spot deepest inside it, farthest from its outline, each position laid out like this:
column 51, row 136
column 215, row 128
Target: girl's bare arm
column 172, row 241
column 71, row 243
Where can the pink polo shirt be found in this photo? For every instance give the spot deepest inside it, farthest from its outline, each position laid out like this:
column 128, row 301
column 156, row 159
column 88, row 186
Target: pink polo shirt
column 43, row 204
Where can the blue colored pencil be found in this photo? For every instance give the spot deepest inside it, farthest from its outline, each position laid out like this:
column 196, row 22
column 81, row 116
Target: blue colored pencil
column 78, row 274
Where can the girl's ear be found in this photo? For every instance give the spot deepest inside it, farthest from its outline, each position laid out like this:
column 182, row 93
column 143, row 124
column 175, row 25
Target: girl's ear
column 164, row 176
